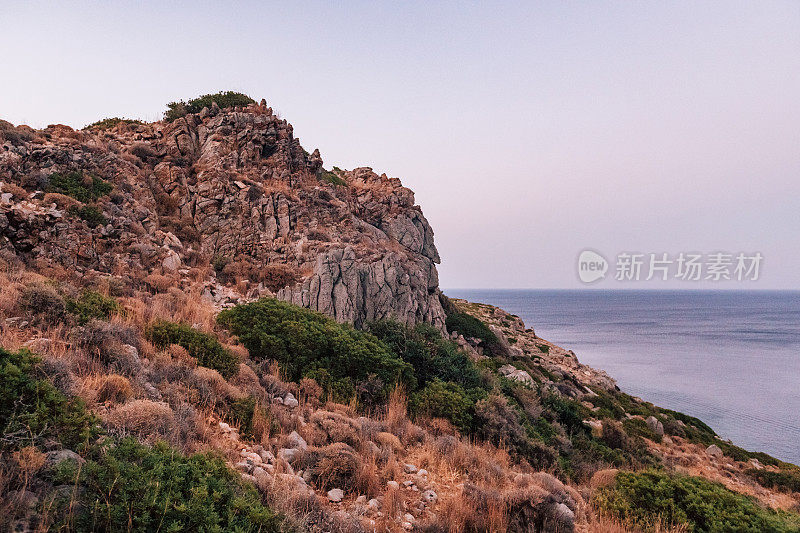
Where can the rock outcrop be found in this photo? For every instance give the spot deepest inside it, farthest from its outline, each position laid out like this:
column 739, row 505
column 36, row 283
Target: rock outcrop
column 232, row 190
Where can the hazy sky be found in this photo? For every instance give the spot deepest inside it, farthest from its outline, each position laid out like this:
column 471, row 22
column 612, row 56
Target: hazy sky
column 529, row 132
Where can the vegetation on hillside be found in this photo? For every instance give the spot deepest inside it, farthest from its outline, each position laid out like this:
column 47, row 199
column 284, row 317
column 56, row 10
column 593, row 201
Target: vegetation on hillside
column 202, row 346
column 309, row 344
column 223, row 99
column 108, row 123
column 78, row 185
column 648, row 500
column 127, row 486
column 33, row 411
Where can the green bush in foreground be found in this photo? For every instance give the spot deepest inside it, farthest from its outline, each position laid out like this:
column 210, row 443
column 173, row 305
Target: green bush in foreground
column 643, row 500
column 223, row 99
column 202, row 346
column 32, row 410
column 307, row 343
column 79, row 186
column 127, row 486
column 444, row 400
column 91, row 304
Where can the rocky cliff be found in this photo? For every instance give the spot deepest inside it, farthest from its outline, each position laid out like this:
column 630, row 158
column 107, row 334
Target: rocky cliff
column 227, row 195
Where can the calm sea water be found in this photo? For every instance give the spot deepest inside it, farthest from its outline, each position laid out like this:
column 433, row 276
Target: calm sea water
column 731, row 359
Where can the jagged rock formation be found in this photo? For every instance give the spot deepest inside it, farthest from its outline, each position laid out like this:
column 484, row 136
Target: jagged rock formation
column 230, row 188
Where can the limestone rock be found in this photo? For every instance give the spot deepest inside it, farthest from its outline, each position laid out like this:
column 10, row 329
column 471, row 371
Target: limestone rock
column 714, row 451
column 655, row 425
column 515, row 374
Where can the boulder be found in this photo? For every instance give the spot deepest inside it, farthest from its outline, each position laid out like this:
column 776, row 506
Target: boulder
column 296, row 441
column 655, row 425
column 54, row 457
column 714, row 451
column 514, row 374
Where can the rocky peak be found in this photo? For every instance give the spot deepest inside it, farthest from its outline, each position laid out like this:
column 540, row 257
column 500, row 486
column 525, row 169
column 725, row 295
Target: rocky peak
column 227, row 195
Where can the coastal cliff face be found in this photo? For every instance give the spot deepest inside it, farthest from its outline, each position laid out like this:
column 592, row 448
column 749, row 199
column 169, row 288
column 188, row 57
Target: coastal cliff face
column 232, row 189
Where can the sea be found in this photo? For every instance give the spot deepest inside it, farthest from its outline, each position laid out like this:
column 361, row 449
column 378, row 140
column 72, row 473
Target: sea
column 730, row 358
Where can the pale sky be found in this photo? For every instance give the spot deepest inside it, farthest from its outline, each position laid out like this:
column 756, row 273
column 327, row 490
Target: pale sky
column 528, row 131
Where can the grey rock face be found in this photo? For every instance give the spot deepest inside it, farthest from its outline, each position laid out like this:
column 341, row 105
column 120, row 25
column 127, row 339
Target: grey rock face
column 350, row 290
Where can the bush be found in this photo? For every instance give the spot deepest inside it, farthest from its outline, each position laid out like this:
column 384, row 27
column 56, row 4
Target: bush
column 91, row 304
column 431, row 356
column 783, row 480
column 91, row 214
column 44, row 304
column 79, row 186
column 469, row 326
column 642, row 500
column 108, row 123
column 131, row 487
column 276, row 276
column 309, row 344
column 241, row 413
column 335, row 466
column 444, row 400
column 499, row 422
column 115, row 389
column 637, row 427
column 33, row 411
column 145, row 419
column 223, row 99
column 330, row 177
column 202, row 346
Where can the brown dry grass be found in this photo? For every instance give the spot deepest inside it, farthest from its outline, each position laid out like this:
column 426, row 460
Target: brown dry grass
column 143, row 419
column 114, row 389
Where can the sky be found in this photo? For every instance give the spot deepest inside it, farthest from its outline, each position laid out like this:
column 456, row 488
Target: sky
column 529, row 131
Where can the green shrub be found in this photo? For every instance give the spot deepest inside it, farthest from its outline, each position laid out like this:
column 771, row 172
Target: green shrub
column 127, row 486
column 91, row 214
column 79, row 186
column 108, row 123
column 330, row 177
column 444, row 400
column 469, row 326
column 644, row 499
column 305, row 342
column 638, row 428
column 566, row 412
column 223, row 99
column 783, row 480
column 33, row 411
column 431, row 355
column 202, row 346
column 91, row 304
column 241, row 412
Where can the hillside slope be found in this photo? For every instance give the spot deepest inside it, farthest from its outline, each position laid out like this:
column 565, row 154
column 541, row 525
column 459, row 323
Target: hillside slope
column 201, row 328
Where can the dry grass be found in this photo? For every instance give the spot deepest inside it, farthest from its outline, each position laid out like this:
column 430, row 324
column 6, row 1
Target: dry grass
column 599, row 523
column 143, row 419
column 114, row 389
